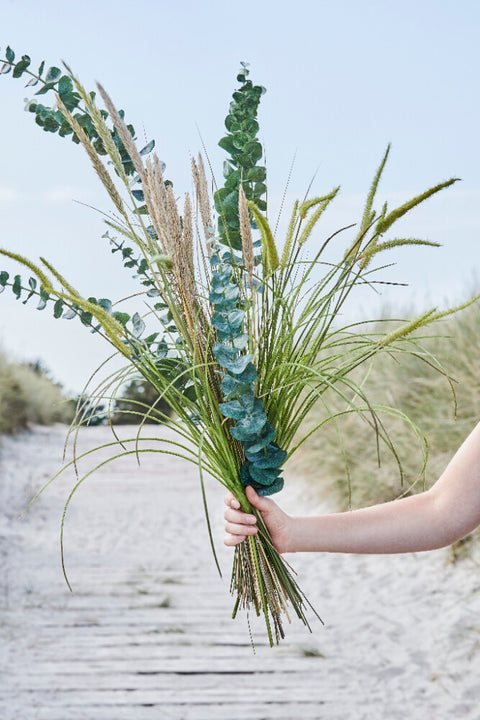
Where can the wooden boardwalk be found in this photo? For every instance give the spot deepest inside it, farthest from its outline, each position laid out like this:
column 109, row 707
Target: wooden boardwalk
column 147, row 632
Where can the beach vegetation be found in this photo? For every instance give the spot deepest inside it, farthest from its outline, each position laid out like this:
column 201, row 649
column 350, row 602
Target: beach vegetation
column 29, row 396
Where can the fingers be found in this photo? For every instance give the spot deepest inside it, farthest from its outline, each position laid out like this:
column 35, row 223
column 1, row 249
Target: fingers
column 261, row 503
column 232, row 540
column 239, row 517
column 231, row 501
column 239, row 529
column 238, row 524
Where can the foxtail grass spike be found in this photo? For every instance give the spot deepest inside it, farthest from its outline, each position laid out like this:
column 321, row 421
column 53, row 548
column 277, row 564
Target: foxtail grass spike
column 270, row 249
column 322, row 203
column 290, row 231
column 46, row 282
column 375, row 248
column 386, row 222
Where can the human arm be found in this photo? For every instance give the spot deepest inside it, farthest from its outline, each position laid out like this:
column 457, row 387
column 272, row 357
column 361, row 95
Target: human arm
column 436, row 518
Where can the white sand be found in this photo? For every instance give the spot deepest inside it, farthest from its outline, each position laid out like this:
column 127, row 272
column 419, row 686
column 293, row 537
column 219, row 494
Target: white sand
column 147, row 632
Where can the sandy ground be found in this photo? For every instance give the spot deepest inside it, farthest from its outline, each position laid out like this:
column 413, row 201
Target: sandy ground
column 147, row 631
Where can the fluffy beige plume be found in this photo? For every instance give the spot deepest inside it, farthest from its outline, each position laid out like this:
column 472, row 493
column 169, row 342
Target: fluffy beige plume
column 124, row 133
column 245, row 232
column 188, row 231
column 173, row 221
column 156, row 201
column 182, row 284
column 100, row 169
column 203, row 200
column 185, row 261
column 101, row 126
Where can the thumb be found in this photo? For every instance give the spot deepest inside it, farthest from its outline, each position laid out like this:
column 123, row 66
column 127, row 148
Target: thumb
column 261, row 503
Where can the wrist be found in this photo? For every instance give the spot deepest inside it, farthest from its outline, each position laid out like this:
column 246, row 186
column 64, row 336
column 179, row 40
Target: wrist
column 289, row 539
column 304, row 535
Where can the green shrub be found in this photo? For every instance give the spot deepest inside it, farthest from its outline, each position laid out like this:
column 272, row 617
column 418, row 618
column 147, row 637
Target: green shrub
column 29, row 395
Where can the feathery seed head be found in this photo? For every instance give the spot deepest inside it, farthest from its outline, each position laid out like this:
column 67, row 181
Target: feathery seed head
column 99, row 167
column 271, row 255
column 45, row 281
column 59, row 277
column 245, row 231
column 322, row 204
column 101, row 127
column 201, row 188
column 156, row 201
column 187, row 235
column 123, row 131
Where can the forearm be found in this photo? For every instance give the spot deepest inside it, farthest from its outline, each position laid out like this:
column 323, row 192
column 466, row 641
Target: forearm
column 433, row 519
column 402, row 526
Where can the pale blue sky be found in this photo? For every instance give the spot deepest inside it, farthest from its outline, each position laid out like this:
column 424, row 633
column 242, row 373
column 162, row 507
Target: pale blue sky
column 344, row 78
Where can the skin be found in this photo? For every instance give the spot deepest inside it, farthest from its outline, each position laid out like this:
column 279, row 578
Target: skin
column 433, row 519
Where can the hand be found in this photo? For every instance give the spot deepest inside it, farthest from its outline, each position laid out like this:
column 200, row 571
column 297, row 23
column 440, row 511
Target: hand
column 239, row 524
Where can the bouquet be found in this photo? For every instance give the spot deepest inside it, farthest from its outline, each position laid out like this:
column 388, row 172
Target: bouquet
column 238, row 332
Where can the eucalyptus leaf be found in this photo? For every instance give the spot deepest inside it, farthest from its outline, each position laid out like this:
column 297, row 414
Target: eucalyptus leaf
column 233, row 409
column 265, row 437
column 53, row 73
column 106, row 304
column 248, row 375
column 241, row 341
column 271, row 489
column 58, row 308
column 21, row 66
column 17, row 286
column 86, row 317
column 69, row 314
column 273, row 459
column 121, row 317
column 238, row 366
column 43, row 90
column 44, row 297
column 65, row 85
column 148, row 148
column 263, row 476
column 138, row 325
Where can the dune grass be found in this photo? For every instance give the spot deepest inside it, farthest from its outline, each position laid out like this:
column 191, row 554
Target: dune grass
column 363, row 474
column 29, row 396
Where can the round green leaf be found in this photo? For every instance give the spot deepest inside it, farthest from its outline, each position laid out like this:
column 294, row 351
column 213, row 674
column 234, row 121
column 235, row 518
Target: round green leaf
column 58, row 308
column 53, row 74
column 17, row 286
